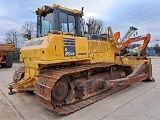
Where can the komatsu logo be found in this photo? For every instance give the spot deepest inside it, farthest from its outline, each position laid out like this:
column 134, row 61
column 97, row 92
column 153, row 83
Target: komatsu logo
column 34, row 43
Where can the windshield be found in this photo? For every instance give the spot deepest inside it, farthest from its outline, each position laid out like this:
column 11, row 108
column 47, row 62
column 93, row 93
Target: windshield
column 65, row 22
column 45, row 24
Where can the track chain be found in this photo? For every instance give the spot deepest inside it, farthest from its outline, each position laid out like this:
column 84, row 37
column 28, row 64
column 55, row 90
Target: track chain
column 48, row 78
column 82, row 104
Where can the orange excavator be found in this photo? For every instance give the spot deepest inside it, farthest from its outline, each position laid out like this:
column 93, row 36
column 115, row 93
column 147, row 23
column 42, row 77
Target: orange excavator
column 145, row 38
column 116, row 35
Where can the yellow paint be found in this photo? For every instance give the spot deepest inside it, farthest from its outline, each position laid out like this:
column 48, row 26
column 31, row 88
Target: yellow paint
column 51, row 52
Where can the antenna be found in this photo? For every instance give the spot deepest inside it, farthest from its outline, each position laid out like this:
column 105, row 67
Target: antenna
column 82, row 9
column 32, row 11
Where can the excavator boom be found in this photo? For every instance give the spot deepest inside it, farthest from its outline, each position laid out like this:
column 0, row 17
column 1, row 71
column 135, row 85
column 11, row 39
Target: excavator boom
column 146, row 40
column 117, row 36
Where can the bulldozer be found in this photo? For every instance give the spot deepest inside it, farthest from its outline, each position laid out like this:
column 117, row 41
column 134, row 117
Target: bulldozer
column 69, row 68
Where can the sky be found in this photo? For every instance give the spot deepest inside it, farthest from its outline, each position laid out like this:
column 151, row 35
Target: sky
column 119, row 14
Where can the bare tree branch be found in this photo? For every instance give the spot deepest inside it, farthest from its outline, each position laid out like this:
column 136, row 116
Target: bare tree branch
column 29, row 28
column 96, row 25
column 11, row 36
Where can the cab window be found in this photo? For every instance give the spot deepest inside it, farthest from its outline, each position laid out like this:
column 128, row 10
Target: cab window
column 66, row 22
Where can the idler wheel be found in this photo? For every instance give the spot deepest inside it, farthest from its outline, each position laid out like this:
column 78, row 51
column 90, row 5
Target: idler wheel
column 60, row 91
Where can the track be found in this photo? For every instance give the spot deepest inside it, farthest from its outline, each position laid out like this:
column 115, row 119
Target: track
column 47, row 80
column 82, row 104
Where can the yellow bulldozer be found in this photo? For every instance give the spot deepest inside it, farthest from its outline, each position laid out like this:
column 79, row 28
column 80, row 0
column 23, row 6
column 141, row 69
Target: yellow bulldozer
column 68, row 68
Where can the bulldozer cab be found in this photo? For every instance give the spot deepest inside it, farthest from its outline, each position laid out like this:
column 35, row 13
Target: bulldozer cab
column 57, row 19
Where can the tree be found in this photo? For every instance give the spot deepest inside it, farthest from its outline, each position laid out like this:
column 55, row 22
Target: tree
column 28, row 31
column 29, row 28
column 96, row 26
column 11, row 36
